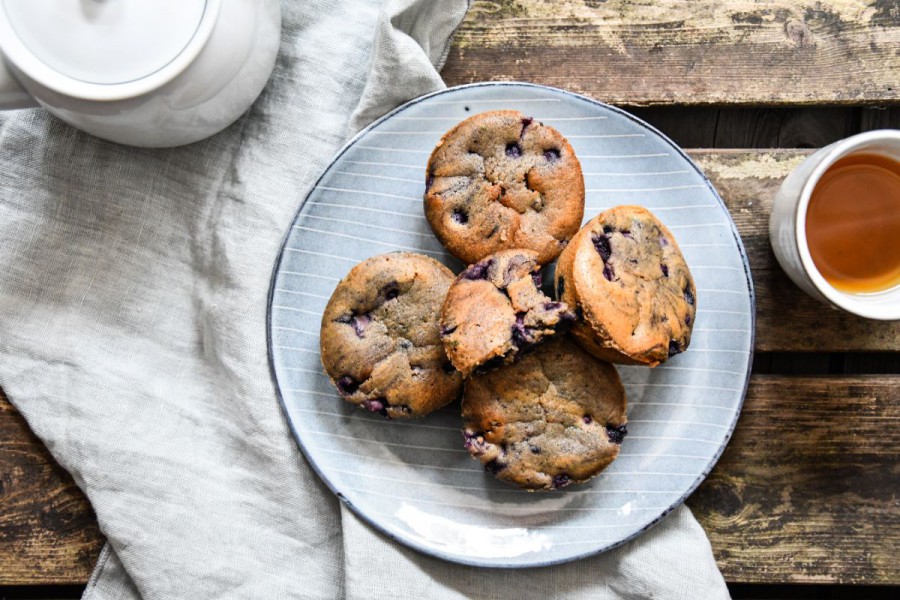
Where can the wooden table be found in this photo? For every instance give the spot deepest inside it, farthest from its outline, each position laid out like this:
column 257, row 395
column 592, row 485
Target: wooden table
column 807, row 491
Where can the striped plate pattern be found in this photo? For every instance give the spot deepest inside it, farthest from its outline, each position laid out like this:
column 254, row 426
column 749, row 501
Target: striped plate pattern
column 412, row 479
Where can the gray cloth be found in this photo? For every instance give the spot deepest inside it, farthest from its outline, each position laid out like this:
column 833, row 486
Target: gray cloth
column 132, row 337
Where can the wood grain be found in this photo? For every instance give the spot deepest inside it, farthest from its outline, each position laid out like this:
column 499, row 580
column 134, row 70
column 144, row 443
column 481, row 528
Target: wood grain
column 787, row 319
column 808, row 490
column 646, row 52
column 48, row 532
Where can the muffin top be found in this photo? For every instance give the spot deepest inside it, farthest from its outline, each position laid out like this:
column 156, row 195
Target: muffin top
column 555, row 417
column 380, row 339
column 496, row 310
column 501, row 180
column 625, row 273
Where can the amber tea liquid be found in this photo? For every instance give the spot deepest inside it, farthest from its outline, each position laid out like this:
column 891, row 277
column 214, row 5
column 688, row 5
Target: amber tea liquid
column 853, row 224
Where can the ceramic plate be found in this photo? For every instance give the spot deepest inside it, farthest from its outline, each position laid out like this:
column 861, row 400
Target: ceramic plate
column 412, row 479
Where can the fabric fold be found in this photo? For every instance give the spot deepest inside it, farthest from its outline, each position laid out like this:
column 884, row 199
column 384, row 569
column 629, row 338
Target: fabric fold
column 673, row 561
column 411, row 38
column 133, row 288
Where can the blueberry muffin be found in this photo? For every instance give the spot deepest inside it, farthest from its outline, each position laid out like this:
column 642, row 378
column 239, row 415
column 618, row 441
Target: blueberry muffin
column 495, row 310
column 626, row 276
column 555, row 417
column 380, row 339
column 501, row 180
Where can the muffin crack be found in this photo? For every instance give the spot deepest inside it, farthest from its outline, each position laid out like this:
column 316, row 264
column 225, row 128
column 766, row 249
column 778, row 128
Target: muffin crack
column 647, row 316
column 517, row 171
column 496, row 311
column 380, row 340
column 546, row 417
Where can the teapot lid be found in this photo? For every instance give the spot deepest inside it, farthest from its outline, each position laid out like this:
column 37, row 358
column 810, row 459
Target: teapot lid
column 105, row 41
column 104, row 49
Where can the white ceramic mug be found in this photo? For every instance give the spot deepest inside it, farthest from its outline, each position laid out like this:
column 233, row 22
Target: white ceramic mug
column 138, row 72
column 787, row 226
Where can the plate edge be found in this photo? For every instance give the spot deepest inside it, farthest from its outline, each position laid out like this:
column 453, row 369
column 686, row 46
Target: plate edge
column 455, row 558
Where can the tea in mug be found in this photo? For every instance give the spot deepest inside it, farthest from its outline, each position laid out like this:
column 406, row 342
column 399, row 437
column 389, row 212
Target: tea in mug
column 853, row 224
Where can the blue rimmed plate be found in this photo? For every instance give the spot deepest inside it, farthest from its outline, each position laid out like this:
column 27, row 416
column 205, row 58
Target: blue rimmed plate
column 412, row 479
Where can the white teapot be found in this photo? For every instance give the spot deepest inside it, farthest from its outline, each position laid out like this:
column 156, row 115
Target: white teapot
column 140, row 72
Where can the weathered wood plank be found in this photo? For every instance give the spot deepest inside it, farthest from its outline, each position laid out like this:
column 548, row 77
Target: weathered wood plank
column 808, row 490
column 787, row 319
column 48, row 533
column 644, row 52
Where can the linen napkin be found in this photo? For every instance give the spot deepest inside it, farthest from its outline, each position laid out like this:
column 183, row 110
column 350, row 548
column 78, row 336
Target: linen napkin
column 133, row 290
